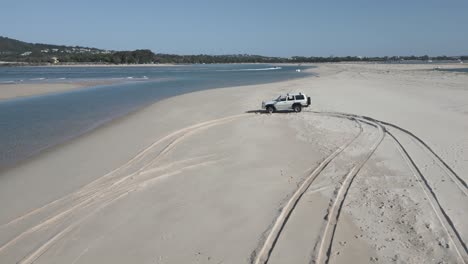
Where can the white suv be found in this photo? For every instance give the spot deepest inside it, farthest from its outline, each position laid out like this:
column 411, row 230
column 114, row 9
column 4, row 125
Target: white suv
column 290, row 101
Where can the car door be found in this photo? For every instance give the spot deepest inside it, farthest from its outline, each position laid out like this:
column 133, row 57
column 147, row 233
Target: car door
column 281, row 104
column 289, row 102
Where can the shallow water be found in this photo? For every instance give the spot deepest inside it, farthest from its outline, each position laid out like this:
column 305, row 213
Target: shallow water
column 465, row 70
column 30, row 125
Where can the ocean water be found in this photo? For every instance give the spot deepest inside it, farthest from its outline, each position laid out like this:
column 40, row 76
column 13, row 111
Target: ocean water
column 33, row 124
column 465, row 70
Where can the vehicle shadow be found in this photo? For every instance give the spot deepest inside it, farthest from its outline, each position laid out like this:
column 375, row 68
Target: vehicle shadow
column 266, row 113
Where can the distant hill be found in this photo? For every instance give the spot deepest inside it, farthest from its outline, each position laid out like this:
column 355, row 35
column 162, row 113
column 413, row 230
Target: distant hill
column 12, row 50
column 17, row 46
column 16, row 51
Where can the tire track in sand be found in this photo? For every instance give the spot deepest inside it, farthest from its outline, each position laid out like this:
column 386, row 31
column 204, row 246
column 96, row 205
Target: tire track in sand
column 261, row 256
column 107, row 189
column 444, row 219
column 43, row 247
column 140, row 157
column 326, row 241
column 450, row 172
column 461, row 184
column 440, row 212
column 324, row 248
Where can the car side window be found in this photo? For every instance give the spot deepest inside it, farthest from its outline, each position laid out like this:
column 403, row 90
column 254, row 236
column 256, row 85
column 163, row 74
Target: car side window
column 300, row 97
column 283, row 99
column 290, row 98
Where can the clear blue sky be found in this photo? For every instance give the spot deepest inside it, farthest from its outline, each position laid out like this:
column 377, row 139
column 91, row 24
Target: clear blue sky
column 275, row 28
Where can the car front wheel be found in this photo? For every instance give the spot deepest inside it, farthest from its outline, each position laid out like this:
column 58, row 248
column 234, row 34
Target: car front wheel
column 270, row 109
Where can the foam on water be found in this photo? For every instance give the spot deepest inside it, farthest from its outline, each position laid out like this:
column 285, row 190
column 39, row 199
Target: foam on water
column 253, row 69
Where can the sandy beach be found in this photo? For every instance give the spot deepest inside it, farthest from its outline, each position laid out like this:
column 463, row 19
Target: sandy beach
column 374, row 171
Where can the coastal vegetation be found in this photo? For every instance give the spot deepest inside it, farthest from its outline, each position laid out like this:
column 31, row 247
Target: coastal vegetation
column 14, row 51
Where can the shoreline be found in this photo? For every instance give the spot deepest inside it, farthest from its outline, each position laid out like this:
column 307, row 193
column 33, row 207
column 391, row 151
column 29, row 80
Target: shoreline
column 217, row 166
column 110, row 124
column 15, row 64
column 62, row 87
column 144, row 65
column 12, row 90
column 70, row 86
column 420, row 63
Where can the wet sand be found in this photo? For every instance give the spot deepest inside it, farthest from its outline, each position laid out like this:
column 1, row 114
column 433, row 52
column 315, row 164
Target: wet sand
column 16, row 90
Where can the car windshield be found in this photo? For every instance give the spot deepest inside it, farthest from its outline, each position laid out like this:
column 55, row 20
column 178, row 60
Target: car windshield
column 280, row 98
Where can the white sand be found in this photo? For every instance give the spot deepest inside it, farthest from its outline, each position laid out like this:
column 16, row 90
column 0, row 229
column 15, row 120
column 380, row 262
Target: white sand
column 191, row 180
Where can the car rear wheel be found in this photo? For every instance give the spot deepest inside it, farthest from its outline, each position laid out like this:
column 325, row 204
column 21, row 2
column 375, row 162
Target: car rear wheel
column 297, row 108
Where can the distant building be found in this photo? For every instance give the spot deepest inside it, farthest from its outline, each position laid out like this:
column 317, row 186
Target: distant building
column 27, row 53
column 54, row 60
